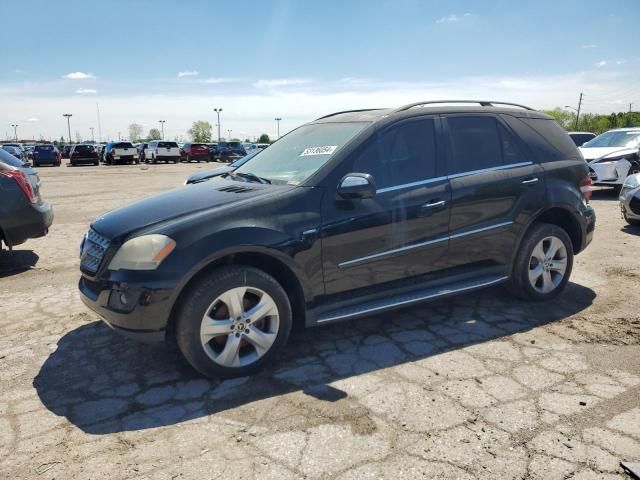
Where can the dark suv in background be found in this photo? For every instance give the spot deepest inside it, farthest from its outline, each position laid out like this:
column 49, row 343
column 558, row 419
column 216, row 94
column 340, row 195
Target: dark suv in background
column 355, row 213
column 46, row 155
column 86, row 154
column 230, row 151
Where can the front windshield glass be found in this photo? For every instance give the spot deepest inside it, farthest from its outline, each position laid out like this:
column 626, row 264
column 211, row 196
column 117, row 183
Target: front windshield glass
column 298, row 155
column 614, row 139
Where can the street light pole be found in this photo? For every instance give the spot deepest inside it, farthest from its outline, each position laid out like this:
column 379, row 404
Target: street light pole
column 162, row 127
column 68, row 116
column 15, row 130
column 277, row 119
column 92, row 137
column 229, row 137
column 218, row 110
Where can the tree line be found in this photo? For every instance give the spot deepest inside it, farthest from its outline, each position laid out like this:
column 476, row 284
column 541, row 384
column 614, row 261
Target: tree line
column 594, row 122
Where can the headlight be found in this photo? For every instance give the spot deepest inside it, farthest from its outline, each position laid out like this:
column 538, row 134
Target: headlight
column 142, row 253
column 632, row 181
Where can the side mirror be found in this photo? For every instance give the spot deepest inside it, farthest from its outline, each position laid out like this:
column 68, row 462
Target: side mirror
column 357, row 185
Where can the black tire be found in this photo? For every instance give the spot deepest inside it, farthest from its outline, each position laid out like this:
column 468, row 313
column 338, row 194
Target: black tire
column 73, row 164
column 519, row 284
column 200, row 299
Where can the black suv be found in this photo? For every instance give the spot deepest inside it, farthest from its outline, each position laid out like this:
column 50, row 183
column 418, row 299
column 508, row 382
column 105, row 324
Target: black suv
column 354, row 213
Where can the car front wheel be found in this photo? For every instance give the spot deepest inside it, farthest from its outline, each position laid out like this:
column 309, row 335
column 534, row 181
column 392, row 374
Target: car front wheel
column 543, row 263
column 233, row 322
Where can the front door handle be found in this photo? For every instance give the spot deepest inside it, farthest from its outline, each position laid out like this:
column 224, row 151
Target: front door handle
column 530, row 181
column 436, row 204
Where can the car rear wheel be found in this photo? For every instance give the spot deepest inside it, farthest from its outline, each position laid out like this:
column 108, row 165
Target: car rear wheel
column 543, row 263
column 233, row 322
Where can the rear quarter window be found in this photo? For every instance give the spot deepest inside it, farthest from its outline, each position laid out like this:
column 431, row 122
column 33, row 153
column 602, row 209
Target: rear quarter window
column 548, row 140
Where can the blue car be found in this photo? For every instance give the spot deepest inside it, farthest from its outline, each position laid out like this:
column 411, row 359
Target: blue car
column 46, row 155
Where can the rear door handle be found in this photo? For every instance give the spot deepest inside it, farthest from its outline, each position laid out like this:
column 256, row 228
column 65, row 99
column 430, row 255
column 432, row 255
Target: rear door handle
column 530, row 181
column 436, row 204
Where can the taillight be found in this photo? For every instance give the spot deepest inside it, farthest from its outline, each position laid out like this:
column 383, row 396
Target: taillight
column 23, row 182
column 586, row 188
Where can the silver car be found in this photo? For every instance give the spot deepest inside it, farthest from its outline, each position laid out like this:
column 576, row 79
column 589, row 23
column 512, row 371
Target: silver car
column 630, row 199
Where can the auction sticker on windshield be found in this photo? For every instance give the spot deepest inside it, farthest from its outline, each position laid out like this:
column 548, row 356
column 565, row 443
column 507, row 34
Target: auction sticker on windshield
column 326, row 150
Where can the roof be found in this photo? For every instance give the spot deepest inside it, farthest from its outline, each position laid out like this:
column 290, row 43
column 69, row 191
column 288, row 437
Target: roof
column 432, row 106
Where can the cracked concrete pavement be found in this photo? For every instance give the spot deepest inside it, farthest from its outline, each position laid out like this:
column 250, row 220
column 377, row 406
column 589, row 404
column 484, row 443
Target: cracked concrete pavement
column 480, row 386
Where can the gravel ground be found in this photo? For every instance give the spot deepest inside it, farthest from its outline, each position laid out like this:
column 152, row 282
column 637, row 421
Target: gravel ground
column 481, row 386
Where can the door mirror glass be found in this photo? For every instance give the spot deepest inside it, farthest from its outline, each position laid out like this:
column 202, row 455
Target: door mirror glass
column 357, row 185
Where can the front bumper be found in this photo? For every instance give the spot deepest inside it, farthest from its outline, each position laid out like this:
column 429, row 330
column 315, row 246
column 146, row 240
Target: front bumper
column 139, row 309
column 609, row 172
column 630, row 202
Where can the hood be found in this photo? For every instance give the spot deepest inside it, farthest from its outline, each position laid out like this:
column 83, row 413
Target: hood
column 600, row 152
column 178, row 203
column 207, row 174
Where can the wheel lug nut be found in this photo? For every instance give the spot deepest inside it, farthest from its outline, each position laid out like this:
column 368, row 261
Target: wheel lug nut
column 246, row 331
column 237, row 335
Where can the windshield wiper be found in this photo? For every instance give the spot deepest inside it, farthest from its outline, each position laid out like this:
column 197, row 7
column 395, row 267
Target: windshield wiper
column 252, row 177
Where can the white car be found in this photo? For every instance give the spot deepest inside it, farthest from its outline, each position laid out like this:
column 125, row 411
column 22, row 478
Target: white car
column 613, row 155
column 161, row 151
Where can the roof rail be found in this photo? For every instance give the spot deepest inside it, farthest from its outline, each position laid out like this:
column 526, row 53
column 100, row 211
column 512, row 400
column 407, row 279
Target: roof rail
column 348, row 111
column 483, row 103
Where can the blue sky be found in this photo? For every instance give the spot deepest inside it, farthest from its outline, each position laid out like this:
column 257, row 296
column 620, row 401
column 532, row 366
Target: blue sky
column 146, row 60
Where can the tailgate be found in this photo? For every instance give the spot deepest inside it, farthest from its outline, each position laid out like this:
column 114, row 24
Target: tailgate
column 124, row 152
column 168, row 152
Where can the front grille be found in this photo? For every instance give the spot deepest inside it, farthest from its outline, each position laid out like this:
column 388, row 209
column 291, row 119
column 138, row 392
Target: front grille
column 634, row 205
column 93, row 250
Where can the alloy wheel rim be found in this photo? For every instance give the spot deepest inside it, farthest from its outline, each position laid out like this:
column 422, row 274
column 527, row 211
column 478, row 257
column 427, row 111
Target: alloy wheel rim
column 548, row 264
column 239, row 327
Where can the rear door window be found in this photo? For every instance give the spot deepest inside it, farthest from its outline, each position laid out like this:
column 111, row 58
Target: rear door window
column 403, row 154
column 167, row 145
column 123, row 145
column 475, row 144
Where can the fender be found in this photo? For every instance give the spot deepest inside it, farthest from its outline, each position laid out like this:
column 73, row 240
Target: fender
column 271, row 243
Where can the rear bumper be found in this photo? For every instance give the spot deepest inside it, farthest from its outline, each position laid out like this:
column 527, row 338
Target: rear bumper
column 587, row 222
column 84, row 160
column 138, row 309
column 30, row 221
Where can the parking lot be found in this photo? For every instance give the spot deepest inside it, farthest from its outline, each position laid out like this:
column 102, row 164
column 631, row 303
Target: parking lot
column 480, row 386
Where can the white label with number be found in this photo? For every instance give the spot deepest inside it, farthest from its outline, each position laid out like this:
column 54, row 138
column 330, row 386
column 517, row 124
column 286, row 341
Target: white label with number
column 326, row 150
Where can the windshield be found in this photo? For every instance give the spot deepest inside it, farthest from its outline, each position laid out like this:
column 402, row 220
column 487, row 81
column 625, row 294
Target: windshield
column 615, row 139
column 44, row 147
column 298, row 155
column 123, row 145
column 167, row 145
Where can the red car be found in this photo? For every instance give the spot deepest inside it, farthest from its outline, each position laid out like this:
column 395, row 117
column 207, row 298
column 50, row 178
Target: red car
column 195, row 151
